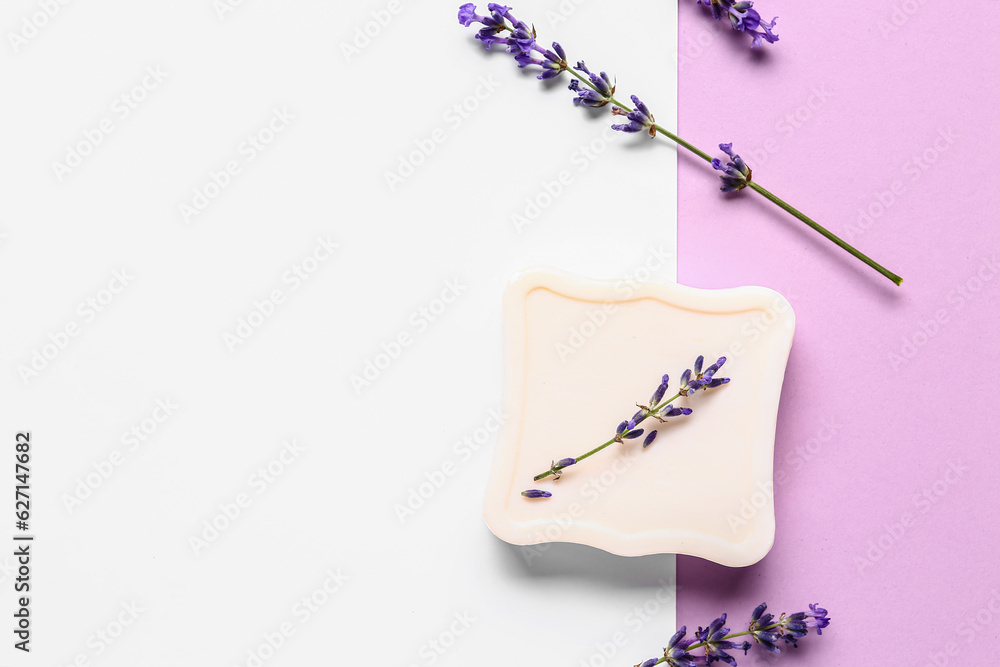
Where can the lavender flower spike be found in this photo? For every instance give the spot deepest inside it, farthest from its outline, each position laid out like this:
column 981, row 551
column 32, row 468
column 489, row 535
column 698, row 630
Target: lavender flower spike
column 736, row 174
column 744, row 18
column 639, row 120
column 535, row 493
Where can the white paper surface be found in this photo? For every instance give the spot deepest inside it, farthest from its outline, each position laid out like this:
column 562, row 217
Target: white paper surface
column 178, row 370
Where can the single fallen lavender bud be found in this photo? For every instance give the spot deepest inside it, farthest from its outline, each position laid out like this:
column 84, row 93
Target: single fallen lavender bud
column 535, row 493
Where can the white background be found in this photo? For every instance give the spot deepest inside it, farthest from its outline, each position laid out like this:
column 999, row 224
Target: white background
column 114, row 517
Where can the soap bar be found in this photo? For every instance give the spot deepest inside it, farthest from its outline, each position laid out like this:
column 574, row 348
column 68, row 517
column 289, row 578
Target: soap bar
column 579, row 355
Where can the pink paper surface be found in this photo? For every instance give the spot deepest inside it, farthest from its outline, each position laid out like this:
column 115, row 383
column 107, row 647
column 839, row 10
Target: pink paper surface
column 886, row 450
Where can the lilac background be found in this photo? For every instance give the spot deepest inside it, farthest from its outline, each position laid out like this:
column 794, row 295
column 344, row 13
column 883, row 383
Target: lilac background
column 908, row 578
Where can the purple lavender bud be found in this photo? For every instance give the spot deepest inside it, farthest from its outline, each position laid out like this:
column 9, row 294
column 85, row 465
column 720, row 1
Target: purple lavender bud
column 717, row 382
column 524, row 59
column 535, row 493
column 467, row 15
column 715, row 643
column 649, row 439
column 649, row 663
column 593, row 98
column 697, row 364
column 671, row 411
column 564, row 463
column 621, row 428
column 714, row 368
column 633, row 434
column 521, row 40
column 820, row 619
column 638, row 416
column 766, row 638
column 639, row 120
column 686, row 383
column 658, row 394
column 502, row 10
column 676, row 651
column 736, row 175
column 631, row 424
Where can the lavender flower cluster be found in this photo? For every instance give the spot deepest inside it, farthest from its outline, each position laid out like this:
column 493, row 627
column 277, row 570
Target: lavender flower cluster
column 716, row 640
column 744, row 18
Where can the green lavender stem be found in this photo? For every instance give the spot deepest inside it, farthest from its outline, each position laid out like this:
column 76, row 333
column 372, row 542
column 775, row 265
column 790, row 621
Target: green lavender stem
column 759, row 189
column 610, row 442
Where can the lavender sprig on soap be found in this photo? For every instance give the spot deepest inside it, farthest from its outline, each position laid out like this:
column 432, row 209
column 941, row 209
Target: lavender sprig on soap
column 656, row 408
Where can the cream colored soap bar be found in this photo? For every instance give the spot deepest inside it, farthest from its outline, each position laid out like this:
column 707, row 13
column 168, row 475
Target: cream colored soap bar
column 579, row 354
